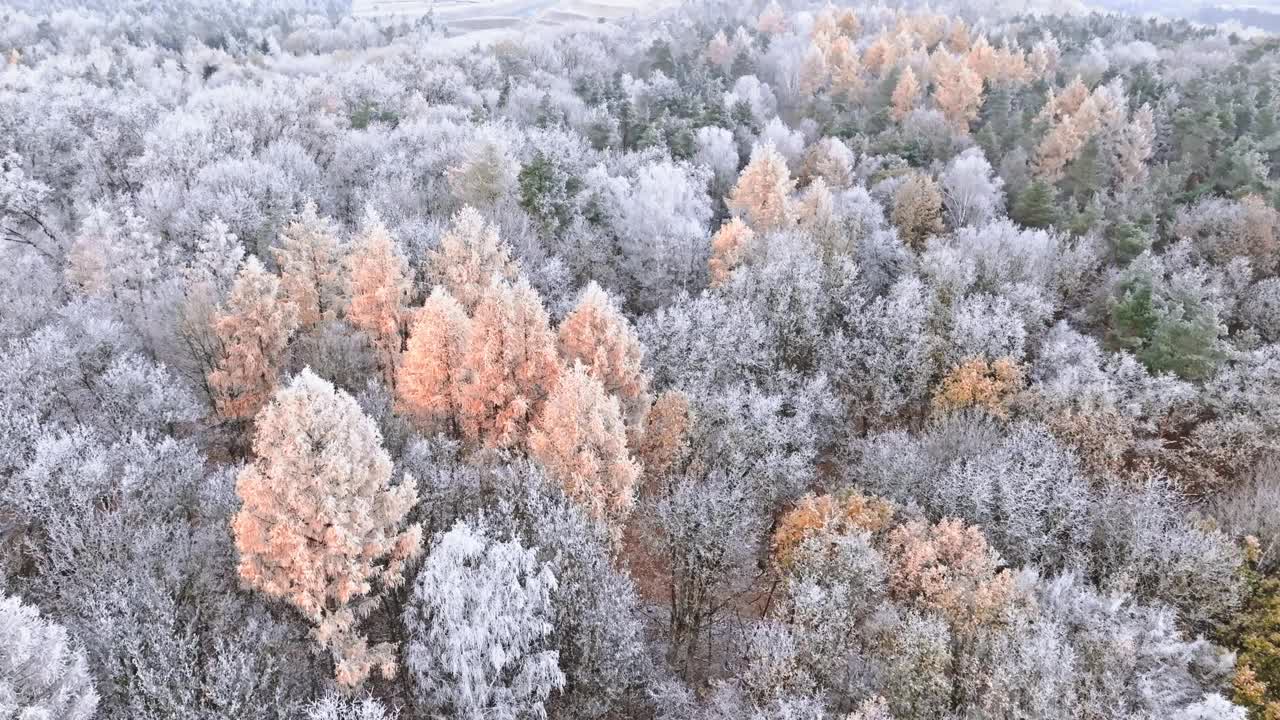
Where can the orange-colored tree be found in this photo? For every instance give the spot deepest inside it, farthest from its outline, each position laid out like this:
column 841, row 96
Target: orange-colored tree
column 948, row 568
column 598, row 335
column 320, row 521
column 666, row 436
column 470, row 257
column 429, row 378
column 253, row 329
column 957, row 90
column 828, row 515
column 1058, row 148
column 379, row 288
column 977, row 383
column 764, row 190
column 846, row 68
column 580, row 440
column 310, row 261
column 728, row 248
column 917, row 209
column 510, row 366
column 905, row 94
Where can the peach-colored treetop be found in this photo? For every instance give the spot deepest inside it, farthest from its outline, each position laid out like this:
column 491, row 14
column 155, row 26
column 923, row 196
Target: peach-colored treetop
column 772, row 20
column 905, row 94
column 1057, row 149
column 580, row 440
column 828, row 516
column 728, row 249
column 666, row 436
column 957, row 90
column 253, row 329
column 881, row 55
column 720, row 52
column 429, row 378
column 311, row 263
column 470, row 257
column 958, row 39
column 510, row 365
column 379, row 289
column 948, row 568
column 982, row 58
column 764, row 189
column 815, row 73
column 320, row 521
column 846, row 68
column 1066, row 102
column 598, row 335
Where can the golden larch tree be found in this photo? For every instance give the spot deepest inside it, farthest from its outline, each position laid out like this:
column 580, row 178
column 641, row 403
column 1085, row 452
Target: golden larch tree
column 977, row 383
column 253, row 331
column 510, row 366
column 379, row 286
column 1060, row 146
column 597, row 334
column 828, row 516
column 320, row 522
column 310, row 260
column 905, row 94
column 470, row 256
column 917, row 209
column 728, row 249
column 846, row 69
column 580, row 440
column 763, row 192
column 666, row 436
column 429, row 377
column 957, row 90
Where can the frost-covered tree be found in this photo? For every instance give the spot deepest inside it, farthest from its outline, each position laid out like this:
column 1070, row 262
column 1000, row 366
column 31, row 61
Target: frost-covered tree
column 478, row 624
column 321, row 521
column 469, row 258
column 970, row 193
column 42, row 674
column 311, row 267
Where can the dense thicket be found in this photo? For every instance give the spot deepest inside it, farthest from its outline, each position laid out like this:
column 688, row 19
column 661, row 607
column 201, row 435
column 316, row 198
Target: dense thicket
column 750, row 361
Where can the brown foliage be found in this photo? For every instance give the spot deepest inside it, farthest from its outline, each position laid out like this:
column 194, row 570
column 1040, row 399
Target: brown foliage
column 980, row 384
column 917, row 209
column 948, row 568
column 828, row 515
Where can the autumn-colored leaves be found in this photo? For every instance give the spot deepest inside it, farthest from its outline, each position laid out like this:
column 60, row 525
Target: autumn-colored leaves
column 321, row 521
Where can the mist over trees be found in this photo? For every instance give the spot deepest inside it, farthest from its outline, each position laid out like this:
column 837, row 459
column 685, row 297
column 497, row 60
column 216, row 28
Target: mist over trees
column 783, row 361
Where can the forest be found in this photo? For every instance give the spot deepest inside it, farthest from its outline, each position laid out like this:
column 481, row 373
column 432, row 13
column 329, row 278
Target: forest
column 746, row 361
